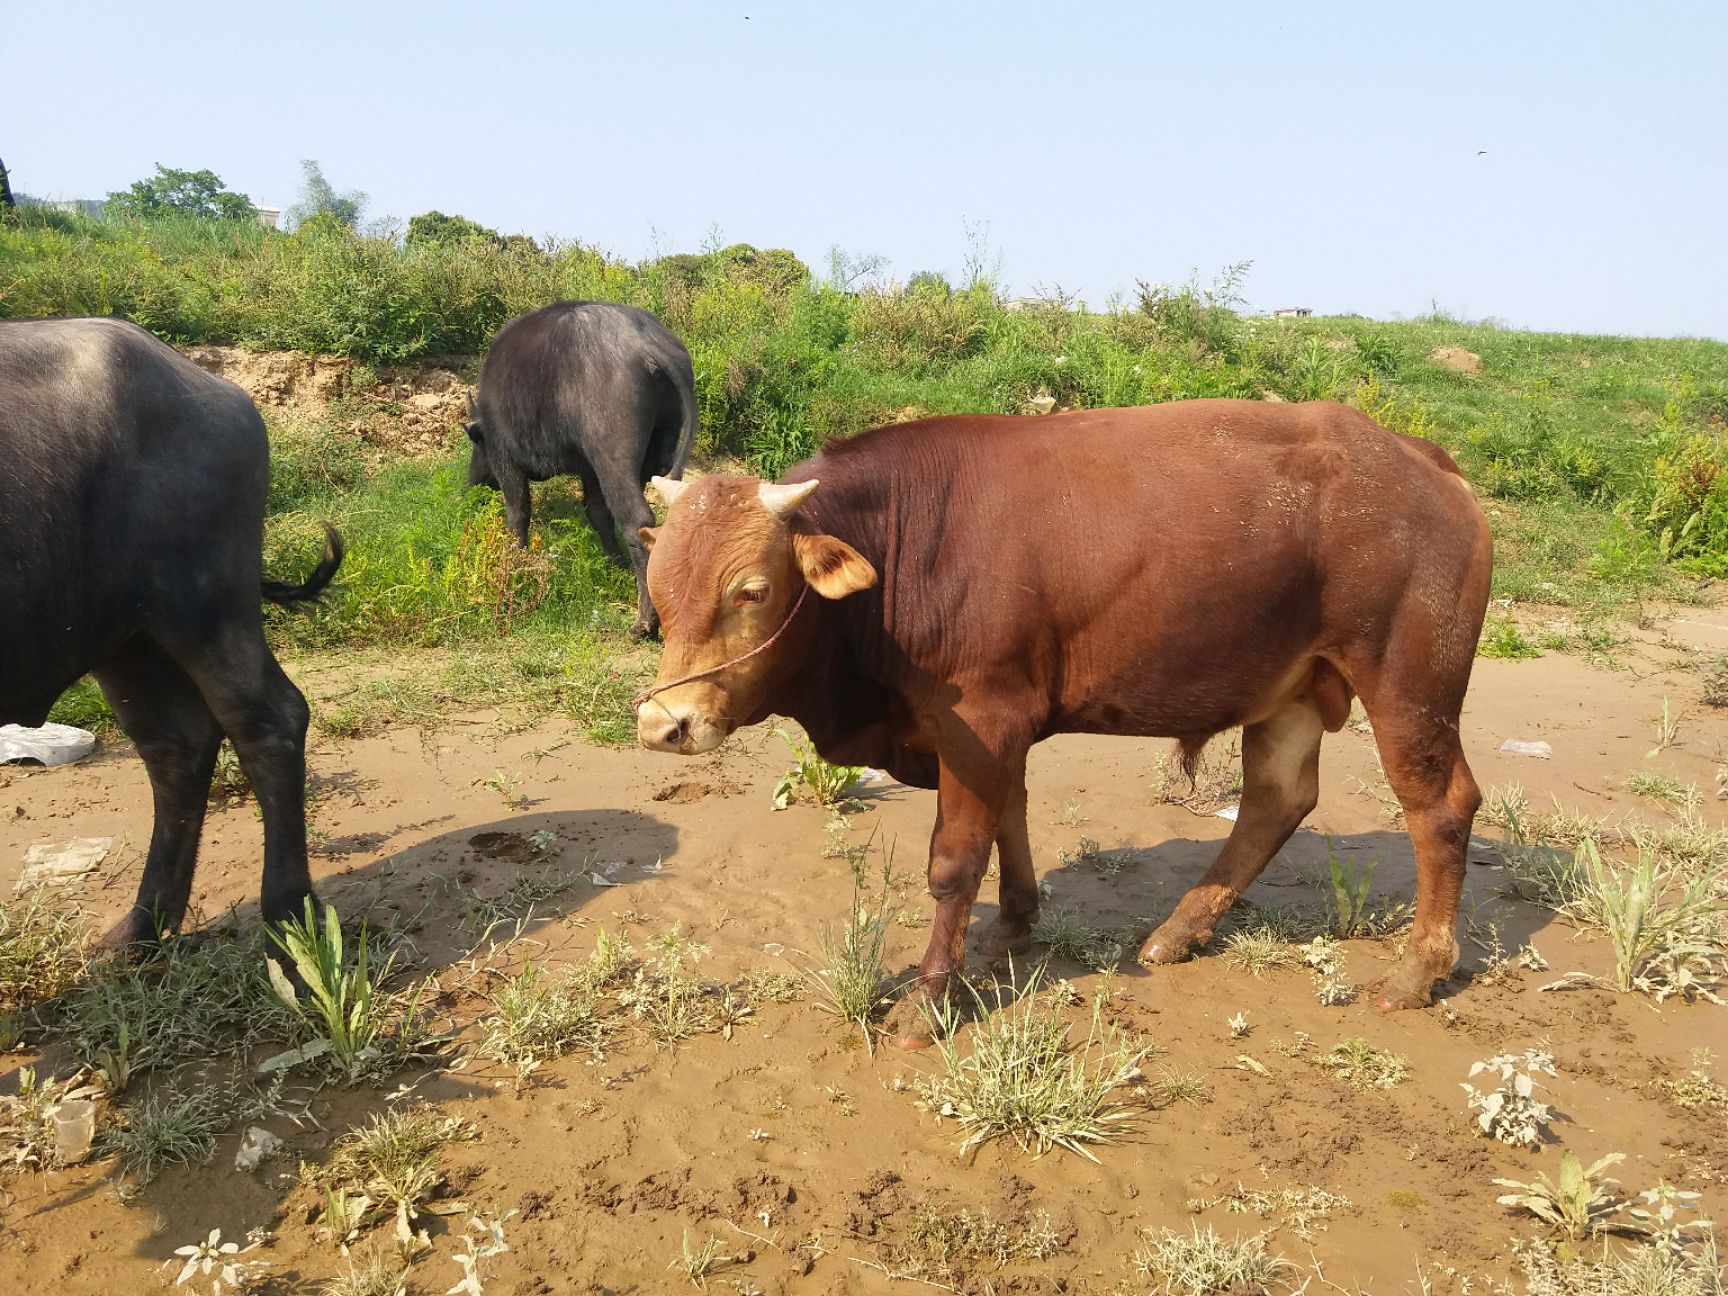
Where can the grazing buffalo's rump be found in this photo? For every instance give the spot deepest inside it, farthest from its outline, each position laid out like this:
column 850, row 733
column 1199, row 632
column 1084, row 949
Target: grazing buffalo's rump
column 589, row 388
column 132, row 489
column 935, row 597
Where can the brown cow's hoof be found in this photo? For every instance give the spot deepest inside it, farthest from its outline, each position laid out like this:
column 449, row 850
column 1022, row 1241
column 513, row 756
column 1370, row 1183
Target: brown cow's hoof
column 908, row 1023
column 1406, row 986
column 1174, row 942
column 1005, row 936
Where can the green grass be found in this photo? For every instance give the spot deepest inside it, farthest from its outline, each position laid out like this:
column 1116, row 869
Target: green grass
column 1601, row 461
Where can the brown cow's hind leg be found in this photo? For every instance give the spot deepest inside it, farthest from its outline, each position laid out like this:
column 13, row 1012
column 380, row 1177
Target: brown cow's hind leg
column 1425, row 765
column 1011, row 932
column 1280, row 786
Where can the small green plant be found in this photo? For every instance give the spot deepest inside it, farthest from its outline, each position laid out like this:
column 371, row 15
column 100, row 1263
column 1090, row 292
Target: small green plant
column 947, row 1245
column 1660, row 787
column 666, row 999
column 1502, row 639
column 482, row 1240
column 533, row 1020
column 698, row 1263
column 1325, row 959
column 1259, row 950
column 343, row 1005
column 1200, row 1263
column 1024, row 1079
column 41, row 952
column 220, row 1262
column 1716, row 682
column 1060, row 930
column 1350, row 887
column 848, row 983
column 543, row 842
column 826, row 782
column 1511, row 1112
column 389, row 1166
column 1698, row 1090
column 1172, row 1087
column 507, row 784
column 175, row 1126
column 1576, row 1206
column 1301, row 1209
column 375, row 1275
column 1668, row 933
column 1363, row 1065
column 229, row 781
column 1667, row 729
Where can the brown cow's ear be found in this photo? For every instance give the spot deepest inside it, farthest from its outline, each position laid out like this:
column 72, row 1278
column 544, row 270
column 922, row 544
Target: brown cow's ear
column 647, row 535
column 833, row 567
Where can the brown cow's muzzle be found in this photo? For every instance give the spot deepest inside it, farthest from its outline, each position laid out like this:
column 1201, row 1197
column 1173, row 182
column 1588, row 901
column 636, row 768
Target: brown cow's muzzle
column 676, row 721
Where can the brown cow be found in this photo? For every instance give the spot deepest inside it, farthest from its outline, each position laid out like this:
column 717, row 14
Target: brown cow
column 984, row 582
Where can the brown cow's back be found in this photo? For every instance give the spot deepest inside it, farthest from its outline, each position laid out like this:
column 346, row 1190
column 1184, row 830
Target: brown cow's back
column 1171, row 570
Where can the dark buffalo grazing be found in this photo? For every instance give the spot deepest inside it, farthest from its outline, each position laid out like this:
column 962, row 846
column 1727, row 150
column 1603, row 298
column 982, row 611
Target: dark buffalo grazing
column 593, row 389
column 132, row 489
column 984, row 582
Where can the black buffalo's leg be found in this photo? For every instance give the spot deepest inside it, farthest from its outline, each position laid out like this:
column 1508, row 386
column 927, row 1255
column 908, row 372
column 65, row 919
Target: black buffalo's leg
column 624, row 496
column 163, row 713
column 265, row 717
column 600, row 516
column 518, row 499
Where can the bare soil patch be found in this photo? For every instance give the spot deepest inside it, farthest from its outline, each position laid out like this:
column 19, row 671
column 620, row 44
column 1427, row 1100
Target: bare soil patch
column 808, row 1159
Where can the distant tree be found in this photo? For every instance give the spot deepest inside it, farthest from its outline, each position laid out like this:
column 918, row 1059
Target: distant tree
column 171, row 192
column 932, row 282
column 774, row 268
column 6, row 199
column 435, row 229
column 319, row 198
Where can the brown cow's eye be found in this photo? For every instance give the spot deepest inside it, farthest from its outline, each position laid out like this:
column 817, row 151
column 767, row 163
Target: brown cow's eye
column 751, row 594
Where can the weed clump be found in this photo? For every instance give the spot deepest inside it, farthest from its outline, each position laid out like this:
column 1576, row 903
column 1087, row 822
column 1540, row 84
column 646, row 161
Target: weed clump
column 1511, row 1112
column 1023, row 1079
column 1201, row 1263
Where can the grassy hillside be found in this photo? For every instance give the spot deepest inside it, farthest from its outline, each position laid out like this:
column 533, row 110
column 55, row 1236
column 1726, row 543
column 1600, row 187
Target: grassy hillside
column 1601, row 460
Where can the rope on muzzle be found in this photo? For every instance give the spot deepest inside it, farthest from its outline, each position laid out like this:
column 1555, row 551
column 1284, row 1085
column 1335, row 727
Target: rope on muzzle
column 652, row 694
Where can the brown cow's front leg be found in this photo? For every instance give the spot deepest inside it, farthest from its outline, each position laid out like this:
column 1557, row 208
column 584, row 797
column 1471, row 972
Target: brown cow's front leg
column 971, row 797
column 1011, row 933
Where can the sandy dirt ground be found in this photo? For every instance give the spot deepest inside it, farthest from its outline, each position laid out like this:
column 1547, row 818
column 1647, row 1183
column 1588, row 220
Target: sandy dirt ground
column 796, row 1147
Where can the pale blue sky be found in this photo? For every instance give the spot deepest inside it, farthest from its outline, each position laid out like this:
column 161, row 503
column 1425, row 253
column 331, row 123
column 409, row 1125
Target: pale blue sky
column 1334, row 145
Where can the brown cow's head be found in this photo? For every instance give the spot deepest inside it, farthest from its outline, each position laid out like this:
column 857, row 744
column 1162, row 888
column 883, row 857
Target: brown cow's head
column 725, row 573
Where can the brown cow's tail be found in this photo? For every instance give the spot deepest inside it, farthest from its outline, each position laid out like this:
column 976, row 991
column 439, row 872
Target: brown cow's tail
column 286, row 595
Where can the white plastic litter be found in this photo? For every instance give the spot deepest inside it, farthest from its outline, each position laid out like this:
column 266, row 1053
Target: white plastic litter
column 1228, row 812
column 869, row 775
column 46, row 864
column 1520, row 747
column 74, row 1130
column 255, row 1144
column 51, row 744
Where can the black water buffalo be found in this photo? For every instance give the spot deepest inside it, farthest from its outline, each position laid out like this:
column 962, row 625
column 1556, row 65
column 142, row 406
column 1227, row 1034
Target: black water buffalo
column 132, row 489
column 934, row 598
column 589, row 388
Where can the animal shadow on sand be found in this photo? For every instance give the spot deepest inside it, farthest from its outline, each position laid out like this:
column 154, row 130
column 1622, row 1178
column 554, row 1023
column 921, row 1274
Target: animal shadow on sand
column 1125, row 891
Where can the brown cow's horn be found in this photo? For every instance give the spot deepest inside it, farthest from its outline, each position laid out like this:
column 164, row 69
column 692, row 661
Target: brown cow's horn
column 669, row 489
column 783, row 501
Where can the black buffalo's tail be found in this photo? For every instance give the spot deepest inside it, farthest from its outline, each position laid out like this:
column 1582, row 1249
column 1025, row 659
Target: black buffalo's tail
column 287, row 595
